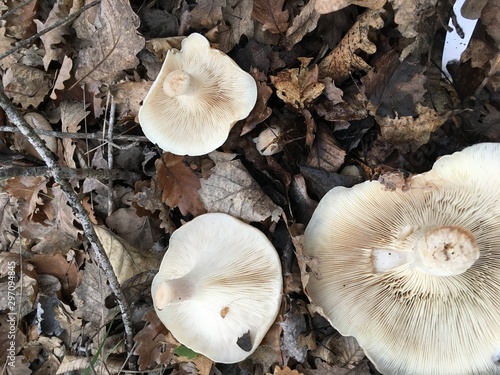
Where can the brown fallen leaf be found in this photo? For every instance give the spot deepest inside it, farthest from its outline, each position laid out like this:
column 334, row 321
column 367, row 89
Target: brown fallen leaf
column 239, row 14
column 63, row 75
column 325, row 154
column 72, row 113
column 285, row 371
column 271, row 14
column 298, row 86
column 126, row 260
column 112, row 42
column 231, row 189
column 346, row 57
column 53, row 39
column 25, row 85
column 340, row 350
column 304, row 23
column 128, row 96
column 261, row 111
column 6, row 44
column 56, row 265
column 206, row 14
column 152, row 347
column 179, row 184
column 27, row 188
column 20, row 22
column 37, row 121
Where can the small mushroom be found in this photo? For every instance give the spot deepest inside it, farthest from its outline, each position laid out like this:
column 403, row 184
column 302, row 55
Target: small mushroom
column 219, row 286
column 199, row 94
column 415, row 275
column 268, row 141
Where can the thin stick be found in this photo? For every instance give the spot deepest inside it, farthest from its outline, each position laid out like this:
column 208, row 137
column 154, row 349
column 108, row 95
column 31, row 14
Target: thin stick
column 81, row 214
column 31, row 39
column 111, row 126
column 70, row 173
column 98, row 135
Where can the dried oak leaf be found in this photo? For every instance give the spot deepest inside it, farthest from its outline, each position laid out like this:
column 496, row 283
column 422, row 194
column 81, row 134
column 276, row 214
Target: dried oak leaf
column 304, row 23
column 179, row 184
column 19, row 23
column 6, row 44
column 206, row 14
column 112, row 42
column 89, row 298
column 126, row 260
column 8, row 209
column 298, row 86
column 408, row 133
column 152, row 347
column 140, row 232
column 231, row 189
column 271, row 14
column 63, row 75
column 325, row 153
column 27, row 188
column 25, row 85
column 54, row 38
column 346, row 56
column 409, row 14
column 237, row 14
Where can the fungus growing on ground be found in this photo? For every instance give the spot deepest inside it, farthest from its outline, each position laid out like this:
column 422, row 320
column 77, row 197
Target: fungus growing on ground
column 199, row 94
column 415, row 275
column 219, row 286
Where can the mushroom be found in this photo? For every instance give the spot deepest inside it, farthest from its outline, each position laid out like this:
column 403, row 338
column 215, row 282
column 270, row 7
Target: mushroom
column 199, row 94
column 219, row 286
column 415, row 275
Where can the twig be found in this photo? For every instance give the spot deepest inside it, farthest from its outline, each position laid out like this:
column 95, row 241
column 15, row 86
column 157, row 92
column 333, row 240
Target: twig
column 69, row 173
column 98, row 135
column 111, row 126
column 31, row 39
column 13, row 10
column 81, row 214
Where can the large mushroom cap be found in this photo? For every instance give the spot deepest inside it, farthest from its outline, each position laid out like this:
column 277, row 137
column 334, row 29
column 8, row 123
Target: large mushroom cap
column 199, row 94
column 219, row 286
column 415, row 275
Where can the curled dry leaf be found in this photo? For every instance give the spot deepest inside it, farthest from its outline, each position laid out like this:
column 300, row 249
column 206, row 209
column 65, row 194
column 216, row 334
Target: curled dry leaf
column 271, row 14
column 231, row 189
column 6, row 44
column 126, row 260
column 298, row 86
column 179, row 184
column 346, row 56
column 72, row 113
column 261, row 111
column 304, row 23
column 8, row 209
column 54, row 38
column 63, row 75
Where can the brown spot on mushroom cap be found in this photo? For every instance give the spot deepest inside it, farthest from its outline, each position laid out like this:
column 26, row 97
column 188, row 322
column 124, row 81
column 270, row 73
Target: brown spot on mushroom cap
column 407, row 319
column 224, row 281
column 207, row 94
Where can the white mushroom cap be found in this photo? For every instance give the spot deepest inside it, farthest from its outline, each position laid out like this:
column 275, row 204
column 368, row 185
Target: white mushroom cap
column 219, row 282
column 415, row 275
column 199, row 94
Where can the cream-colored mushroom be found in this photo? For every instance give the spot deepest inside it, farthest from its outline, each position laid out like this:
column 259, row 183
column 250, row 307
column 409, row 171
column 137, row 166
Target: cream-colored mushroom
column 415, row 275
column 199, row 94
column 219, row 287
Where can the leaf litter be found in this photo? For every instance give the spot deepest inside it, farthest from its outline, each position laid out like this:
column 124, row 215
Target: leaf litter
column 359, row 100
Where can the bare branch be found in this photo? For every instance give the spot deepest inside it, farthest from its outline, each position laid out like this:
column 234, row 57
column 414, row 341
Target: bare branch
column 81, row 214
column 69, row 173
column 98, row 135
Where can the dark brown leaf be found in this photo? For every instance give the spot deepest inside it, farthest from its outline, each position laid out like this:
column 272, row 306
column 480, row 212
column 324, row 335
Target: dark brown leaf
column 271, row 14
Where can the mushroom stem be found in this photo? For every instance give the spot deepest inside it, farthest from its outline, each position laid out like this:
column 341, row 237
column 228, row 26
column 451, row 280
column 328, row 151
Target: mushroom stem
column 172, row 291
column 179, row 82
column 446, row 250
